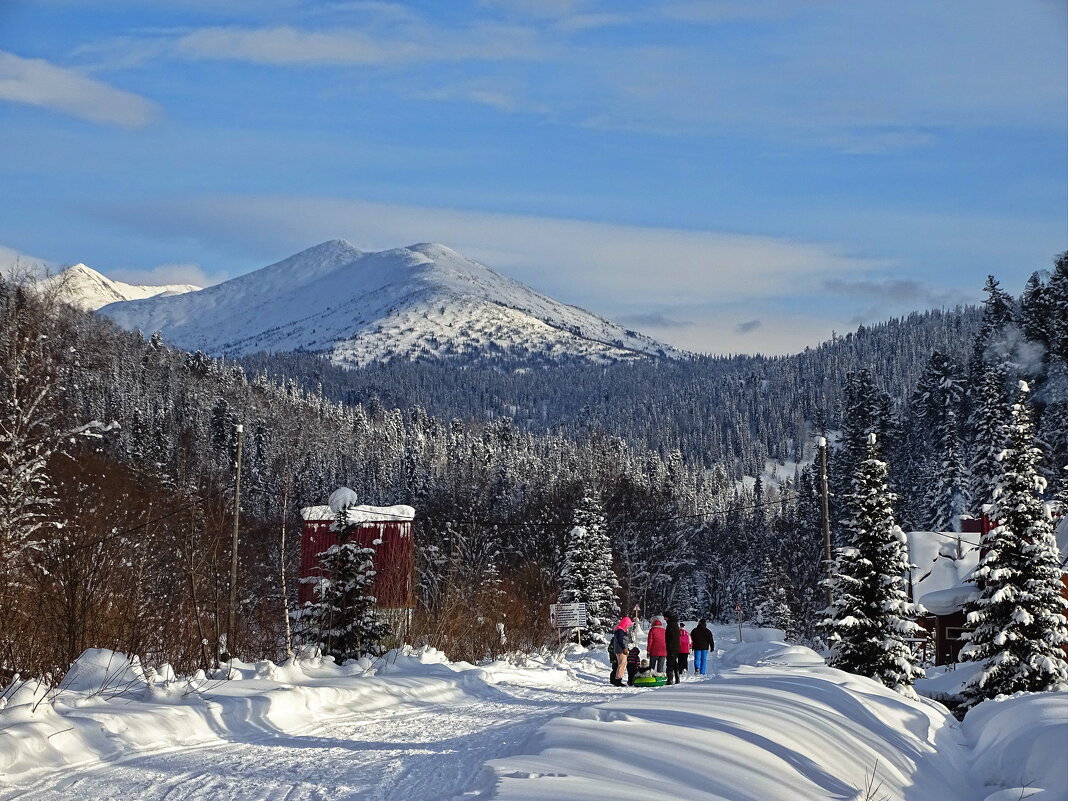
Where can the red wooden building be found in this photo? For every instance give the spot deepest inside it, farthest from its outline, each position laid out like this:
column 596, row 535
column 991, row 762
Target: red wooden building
column 387, row 529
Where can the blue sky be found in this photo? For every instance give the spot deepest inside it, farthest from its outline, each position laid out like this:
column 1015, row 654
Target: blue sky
column 728, row 176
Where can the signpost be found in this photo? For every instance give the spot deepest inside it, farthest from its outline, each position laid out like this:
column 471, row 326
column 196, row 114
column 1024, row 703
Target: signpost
column 569, row 616
column 738, row 613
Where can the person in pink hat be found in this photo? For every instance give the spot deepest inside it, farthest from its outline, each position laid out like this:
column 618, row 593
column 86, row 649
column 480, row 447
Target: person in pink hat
column 620, row 647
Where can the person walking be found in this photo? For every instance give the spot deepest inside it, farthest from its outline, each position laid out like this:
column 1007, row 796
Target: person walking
column 684, row 649
column 671, row 641
column 620, row 648
column 701, row 642
column 656, row 645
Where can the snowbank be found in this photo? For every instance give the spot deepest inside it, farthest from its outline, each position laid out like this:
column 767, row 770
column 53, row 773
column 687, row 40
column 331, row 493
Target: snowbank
column 107, row 707
column 1021, row 746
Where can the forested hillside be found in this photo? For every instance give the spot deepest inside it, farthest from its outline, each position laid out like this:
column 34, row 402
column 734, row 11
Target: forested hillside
column 735, row 412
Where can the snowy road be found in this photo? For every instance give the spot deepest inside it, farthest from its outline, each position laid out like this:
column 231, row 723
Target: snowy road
column 415, row 752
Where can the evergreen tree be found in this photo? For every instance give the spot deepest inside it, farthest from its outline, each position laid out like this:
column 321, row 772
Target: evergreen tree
column 999, row 312
column 1057, row 305
column 1035, row 310
column 773, row 608
column 587, row 576
column 939, row 410
column 987, row 425
column 1018, row 618
column 870, row 615
column 342, row 617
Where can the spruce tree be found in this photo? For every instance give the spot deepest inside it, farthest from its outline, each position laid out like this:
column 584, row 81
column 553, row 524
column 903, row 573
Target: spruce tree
column 1018, row 622
column 587, row 576
column 870, row 616
column 342, row 618
column 773, row 608
column 939, row 406
column 987, row 434
column 1057, row 306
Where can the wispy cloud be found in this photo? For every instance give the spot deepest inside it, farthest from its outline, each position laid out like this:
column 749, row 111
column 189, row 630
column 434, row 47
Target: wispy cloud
column 579, row 260
column 658, row 320
column 168, row 274
column 287, row 45
column 37, row 82
column 748, row 325
column 15, row 262
column 898, row 291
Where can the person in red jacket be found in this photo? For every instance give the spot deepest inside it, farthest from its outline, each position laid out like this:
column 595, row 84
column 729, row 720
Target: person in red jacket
column 684, row 649
column 656, row 645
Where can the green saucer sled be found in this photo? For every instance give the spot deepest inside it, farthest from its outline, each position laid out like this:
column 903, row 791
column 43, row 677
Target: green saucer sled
column 650, row 681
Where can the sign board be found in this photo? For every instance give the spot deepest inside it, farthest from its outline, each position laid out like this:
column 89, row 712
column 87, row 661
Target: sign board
column 567, row 616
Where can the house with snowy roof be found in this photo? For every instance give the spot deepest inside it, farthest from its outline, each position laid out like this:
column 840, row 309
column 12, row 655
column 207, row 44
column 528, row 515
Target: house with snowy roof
column 386, row 529
column 944, row 561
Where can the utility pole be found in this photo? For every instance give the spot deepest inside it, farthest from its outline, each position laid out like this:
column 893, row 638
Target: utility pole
column 826, row 504
column 231, row 639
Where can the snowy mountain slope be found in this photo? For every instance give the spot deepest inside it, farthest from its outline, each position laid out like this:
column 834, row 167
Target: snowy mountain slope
column 87, row 289
column 422, row 301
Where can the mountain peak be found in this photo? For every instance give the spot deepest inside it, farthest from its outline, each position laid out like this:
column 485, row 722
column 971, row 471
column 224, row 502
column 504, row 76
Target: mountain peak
column 84, row 287
column 424, row 301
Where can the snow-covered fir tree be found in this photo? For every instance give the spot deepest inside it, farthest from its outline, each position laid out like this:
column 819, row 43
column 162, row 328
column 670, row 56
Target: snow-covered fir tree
column 870, row 616
column 587, row 576
column 342, row 618
column 987, row 434
column 773, row 608
column 1018, row 621
column 939, row 411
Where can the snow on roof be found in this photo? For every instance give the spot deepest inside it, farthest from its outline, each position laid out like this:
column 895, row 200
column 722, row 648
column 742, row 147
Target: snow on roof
column 362, row 513
column 949, row 600
column 940, row 566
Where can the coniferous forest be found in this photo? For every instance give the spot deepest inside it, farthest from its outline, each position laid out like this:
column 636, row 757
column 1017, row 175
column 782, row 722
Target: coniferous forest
column 117, row 478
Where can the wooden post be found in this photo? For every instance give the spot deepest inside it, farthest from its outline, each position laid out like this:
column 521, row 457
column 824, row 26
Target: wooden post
column 231, row 618
column 826, row 507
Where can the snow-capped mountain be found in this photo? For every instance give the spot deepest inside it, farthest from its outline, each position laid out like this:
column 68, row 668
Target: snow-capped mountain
column 423, row 301
column 87, row 289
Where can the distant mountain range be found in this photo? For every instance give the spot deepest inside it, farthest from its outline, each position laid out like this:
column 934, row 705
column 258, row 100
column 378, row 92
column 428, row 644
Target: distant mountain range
column 87, row 289
column 422, row 302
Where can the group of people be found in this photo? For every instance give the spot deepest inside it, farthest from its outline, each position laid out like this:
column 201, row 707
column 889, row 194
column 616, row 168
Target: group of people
column 668, row 648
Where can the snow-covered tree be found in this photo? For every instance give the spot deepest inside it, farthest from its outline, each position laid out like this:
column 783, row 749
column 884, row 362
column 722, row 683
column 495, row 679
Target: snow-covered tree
column 342, row 618
column 773, row 608
column 1018, row 621
column 870, row 615
column 587, row 576
column 938, row 406
column 987, row 434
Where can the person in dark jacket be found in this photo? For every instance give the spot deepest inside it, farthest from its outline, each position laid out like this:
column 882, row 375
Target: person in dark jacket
column 620, row 646
column 702, row 642
column 671, row 637
column 634, row 658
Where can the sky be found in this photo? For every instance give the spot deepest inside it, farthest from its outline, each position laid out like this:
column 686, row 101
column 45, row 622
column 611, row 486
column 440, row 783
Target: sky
column 726, row 176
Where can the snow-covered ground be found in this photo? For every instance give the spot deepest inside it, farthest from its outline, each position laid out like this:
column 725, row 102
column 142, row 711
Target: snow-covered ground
column 770, row 722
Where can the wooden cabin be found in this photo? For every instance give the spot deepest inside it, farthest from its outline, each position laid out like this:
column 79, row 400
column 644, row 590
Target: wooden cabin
column 386, row 529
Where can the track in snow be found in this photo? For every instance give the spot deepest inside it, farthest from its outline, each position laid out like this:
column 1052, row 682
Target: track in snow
column 414, row 752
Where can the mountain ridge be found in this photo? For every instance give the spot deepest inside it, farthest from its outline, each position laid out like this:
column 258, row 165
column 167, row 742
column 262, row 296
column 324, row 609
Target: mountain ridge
column 423, row 301
column 89, row 290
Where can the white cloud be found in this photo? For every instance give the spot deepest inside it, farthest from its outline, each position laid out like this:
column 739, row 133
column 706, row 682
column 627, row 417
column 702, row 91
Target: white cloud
column 37, row 82
column 168, row 274
column 15, row 262
column 600, row 265
column 412, row 43
column 733, row 329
